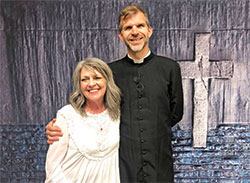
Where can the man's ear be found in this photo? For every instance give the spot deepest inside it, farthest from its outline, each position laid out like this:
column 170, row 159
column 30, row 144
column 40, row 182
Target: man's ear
column 150, row 30
column 120, row 36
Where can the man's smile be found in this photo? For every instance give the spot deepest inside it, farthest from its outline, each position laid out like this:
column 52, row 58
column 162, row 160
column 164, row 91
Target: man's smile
column 135, row 40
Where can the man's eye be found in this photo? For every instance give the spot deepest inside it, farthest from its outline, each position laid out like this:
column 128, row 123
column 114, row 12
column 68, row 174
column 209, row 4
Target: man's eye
column 127, row 28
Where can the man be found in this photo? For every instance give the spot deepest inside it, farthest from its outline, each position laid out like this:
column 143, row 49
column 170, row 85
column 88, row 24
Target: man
column 152, row 103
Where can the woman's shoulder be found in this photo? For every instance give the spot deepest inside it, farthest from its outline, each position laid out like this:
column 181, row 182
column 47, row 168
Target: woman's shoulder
column 67, row 109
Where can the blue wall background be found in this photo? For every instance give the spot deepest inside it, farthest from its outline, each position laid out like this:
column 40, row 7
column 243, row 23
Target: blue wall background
column 41, row 42
column 225, row 159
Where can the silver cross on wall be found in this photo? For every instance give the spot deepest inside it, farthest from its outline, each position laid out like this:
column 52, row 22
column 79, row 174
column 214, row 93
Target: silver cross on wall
column 201, row 70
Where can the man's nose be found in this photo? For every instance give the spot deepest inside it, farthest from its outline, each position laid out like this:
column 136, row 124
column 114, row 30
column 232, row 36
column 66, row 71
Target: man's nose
column 134, row 30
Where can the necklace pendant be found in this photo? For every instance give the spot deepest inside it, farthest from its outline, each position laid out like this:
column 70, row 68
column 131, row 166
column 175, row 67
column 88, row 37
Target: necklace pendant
column 101, row 129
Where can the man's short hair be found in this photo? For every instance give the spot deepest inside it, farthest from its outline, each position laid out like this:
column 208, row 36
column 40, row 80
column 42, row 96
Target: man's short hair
column 128, row 12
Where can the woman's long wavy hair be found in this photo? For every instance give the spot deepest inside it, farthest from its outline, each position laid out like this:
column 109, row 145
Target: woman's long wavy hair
column 112, row 96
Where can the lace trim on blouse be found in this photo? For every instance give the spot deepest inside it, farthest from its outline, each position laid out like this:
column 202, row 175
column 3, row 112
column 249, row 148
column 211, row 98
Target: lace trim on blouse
column 100, row 122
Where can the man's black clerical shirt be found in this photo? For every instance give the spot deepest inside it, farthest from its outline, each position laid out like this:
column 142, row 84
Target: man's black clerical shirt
column 152, row 102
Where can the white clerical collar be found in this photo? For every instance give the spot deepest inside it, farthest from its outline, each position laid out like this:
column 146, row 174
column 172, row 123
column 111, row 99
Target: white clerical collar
column 141, row 60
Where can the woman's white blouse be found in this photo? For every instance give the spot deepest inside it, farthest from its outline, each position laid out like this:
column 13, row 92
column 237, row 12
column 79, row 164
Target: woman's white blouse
column 87, row 151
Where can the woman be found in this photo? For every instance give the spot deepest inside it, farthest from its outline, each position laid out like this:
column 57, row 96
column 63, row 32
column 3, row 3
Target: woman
column 88, row 149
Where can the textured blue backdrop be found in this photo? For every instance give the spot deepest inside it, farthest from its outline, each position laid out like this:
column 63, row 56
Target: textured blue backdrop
column 41, row 42
column 225, row 159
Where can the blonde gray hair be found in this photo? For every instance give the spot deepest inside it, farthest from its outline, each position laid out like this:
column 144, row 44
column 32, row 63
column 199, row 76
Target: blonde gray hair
column 129, row 11
column 112, row 96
